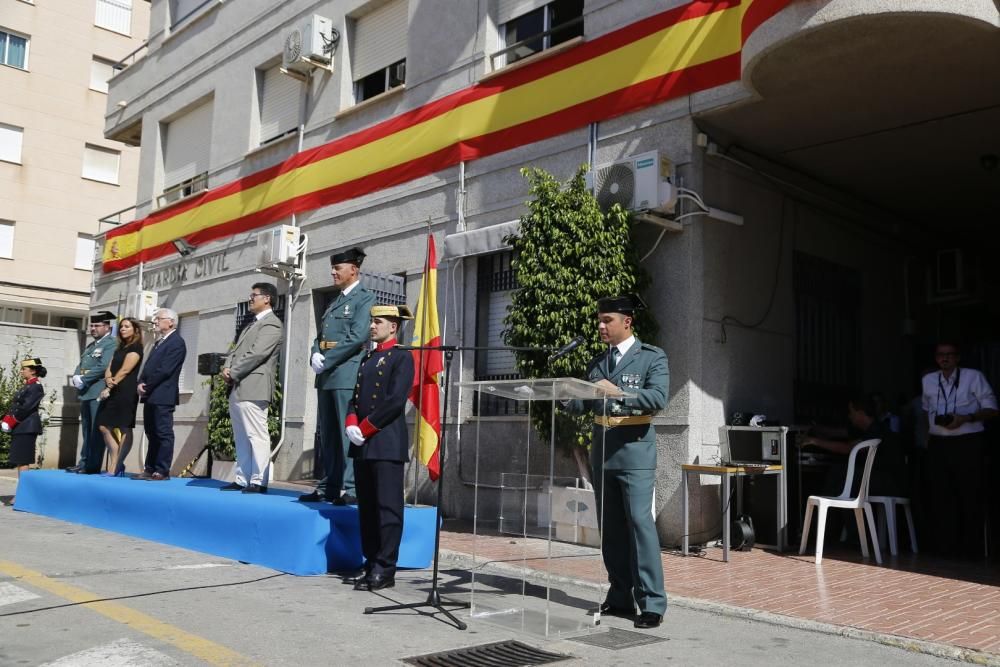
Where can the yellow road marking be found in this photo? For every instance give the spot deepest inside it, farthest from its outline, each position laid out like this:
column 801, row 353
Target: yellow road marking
column 210, row 652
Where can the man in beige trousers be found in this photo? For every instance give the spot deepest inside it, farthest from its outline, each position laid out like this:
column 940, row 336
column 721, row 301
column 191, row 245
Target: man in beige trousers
column 250, row 371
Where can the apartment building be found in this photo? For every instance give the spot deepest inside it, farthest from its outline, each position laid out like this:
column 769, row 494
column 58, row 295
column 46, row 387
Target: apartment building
column 822, row 139
column 58, row 173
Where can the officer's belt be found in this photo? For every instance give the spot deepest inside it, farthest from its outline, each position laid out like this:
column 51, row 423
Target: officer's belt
column 327, row 344
column 610, row 422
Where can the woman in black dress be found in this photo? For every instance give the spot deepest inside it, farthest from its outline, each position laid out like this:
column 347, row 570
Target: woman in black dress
column 22, row 420
column 116, row 413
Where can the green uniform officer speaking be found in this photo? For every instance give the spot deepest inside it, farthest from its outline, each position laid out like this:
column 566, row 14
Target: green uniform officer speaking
column 626, row 475
column 336, row 353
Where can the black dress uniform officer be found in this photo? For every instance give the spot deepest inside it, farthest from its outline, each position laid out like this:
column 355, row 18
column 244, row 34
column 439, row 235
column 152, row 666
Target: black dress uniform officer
column 626, row 475
column 336, row 353
column 379, row 445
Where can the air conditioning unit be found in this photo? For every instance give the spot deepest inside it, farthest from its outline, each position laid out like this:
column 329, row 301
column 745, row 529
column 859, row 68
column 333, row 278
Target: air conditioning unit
column 643, row 182
column 278, row 247
column 142, row 305
column 309, row 45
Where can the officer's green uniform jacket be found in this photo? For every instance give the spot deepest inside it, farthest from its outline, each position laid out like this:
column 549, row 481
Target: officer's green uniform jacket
column 93, row 362
column 345, row 322
column 643, row 371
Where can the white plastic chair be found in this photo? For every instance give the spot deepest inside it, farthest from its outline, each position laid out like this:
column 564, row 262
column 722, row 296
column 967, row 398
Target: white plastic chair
column 859, row 504
column 888, row 520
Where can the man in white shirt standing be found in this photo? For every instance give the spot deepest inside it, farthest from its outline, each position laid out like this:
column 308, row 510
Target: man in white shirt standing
column 957, row 401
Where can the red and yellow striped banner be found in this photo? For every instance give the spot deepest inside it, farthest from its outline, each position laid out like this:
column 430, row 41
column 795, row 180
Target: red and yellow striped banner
column 686, row 49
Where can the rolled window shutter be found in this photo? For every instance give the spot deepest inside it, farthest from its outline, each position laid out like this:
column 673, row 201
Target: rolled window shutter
column 114, row 15
column 380, row 38
column 280, row 103
column 186, row 146
column 101, row 164
column 511, row 9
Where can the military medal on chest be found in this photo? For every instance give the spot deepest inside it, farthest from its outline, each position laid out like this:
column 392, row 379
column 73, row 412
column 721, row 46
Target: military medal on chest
column 347, row 310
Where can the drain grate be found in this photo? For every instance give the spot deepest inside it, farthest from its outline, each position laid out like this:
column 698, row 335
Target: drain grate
column 498, row 654
column 616, row 639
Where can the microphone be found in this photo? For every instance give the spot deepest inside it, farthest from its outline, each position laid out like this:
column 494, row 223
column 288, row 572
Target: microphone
column 567, row 348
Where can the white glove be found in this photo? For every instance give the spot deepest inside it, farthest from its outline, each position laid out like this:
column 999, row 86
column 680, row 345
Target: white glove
column 77, row 381
column 4, row 427
column 354, row 434
column 316, row 361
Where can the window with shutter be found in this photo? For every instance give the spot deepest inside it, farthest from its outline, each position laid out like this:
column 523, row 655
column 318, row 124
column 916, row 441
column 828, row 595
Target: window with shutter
column 6, row 239
column 186, row 143
column 84, row 252
column 181, row 10
column 101, row 164
column 495, row 285
column 378, row 50
column 114, row 15
column 528, row 27
column 101, row 71
column 280, row 103
column 10, row 143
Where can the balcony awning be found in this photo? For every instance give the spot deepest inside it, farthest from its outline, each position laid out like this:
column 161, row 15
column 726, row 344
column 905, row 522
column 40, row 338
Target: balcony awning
column 479, row 241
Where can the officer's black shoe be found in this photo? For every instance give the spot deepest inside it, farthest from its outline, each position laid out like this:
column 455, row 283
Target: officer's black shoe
column 648, row 619
column 346, row 499
column 232, row 486
column 608, row 609
column 254, row 488
column 74, row 468
column 377, row 581
column 314, row 497
column 362, row 583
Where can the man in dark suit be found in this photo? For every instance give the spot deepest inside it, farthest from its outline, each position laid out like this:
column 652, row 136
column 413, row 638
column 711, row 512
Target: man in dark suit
column 376, row 427
column 336, row 353
column 250, row 371
column 160, row 394
column 625, row 476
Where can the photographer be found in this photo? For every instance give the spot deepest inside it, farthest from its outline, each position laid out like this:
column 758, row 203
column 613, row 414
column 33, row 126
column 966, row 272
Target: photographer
column 957, row 401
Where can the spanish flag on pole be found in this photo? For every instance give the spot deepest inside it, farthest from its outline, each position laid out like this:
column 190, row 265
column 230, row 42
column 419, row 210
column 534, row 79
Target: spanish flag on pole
column 425, row 394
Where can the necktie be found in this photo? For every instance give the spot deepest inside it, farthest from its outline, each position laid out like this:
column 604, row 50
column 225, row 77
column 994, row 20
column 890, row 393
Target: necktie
column 615, row 354
column 157, row 343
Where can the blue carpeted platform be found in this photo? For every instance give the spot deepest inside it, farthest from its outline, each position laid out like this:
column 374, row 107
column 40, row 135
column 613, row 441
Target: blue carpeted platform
column 273, row 530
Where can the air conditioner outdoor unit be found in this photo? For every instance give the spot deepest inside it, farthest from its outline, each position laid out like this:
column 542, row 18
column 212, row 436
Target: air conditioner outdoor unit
column 309, row 45
column 643, row 182
column 142, row 305
column 278, row 247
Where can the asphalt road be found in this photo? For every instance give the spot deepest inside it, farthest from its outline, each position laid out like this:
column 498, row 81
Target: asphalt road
column 72, row 595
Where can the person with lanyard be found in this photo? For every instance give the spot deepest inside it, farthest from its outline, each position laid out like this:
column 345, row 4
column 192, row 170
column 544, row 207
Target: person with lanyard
column 88, row 379
column 956, row 401
column 336, row 353
column 376, row 426
column 625, row 476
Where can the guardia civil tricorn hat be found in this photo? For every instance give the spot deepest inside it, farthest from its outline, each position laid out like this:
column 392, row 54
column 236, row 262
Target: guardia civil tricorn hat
column 398, row 312
column 626, row 304
column 102, row 317
column 353, row 256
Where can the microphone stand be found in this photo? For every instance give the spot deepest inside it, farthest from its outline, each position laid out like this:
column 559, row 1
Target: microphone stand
column 434, row 599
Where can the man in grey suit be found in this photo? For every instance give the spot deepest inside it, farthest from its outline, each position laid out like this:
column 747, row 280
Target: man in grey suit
column 249, row 371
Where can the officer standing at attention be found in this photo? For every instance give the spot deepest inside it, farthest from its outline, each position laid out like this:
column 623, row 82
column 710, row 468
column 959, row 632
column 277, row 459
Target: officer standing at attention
column 88, row 379
column 625, row 477
column 336, row 353
column 376, row 427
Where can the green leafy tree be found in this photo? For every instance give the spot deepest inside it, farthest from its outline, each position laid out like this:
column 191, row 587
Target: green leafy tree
column 220, row 427
column 10, row 384
column 568, row 253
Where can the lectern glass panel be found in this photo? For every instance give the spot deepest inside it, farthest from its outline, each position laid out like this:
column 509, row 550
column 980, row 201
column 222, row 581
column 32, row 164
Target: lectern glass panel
column 552, row 519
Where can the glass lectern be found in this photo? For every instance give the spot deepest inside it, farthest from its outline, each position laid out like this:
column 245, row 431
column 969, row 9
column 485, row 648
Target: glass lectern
column 541, row 514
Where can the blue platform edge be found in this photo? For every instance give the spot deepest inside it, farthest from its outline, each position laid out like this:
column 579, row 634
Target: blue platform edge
column 273, row 529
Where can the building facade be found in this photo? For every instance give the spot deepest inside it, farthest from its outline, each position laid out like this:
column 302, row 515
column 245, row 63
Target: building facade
column 801, row 263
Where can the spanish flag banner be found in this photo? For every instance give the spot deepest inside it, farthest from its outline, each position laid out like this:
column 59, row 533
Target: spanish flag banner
column 425, row 394
column 686, row 49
